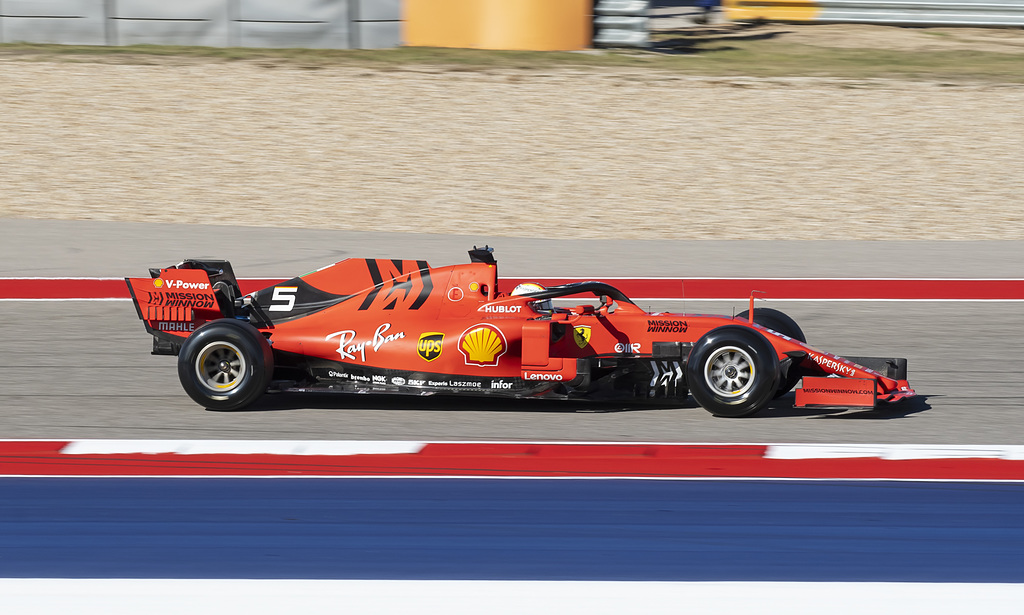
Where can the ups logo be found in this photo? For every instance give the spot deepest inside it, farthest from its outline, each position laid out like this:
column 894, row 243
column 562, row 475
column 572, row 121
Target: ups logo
column 430, row 345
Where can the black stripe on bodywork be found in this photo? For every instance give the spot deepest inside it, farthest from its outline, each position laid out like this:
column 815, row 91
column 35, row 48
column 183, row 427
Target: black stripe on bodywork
column 428, row 285
column 404, row 286
column 378, row 282
column 308, row 300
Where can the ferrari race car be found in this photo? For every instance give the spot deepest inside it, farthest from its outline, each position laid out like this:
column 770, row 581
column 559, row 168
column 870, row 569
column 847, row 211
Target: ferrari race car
column 403, row 327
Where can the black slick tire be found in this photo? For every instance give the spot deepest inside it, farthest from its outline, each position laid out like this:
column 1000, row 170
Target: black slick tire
column 225, row 364
column 733, row 371
column 780, row 322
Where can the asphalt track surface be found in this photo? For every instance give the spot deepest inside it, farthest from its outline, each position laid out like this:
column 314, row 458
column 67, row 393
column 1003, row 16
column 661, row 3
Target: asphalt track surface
column 83, row 369
column 490, row 529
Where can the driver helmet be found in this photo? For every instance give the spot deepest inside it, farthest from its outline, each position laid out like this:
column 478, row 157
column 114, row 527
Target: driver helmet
column 528, row 288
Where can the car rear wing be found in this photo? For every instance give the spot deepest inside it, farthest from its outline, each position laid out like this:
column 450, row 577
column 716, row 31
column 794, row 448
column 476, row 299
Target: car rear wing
column 176, row 300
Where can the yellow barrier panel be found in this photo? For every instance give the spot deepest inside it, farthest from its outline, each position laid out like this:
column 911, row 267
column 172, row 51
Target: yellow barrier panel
column 535, row 25
column 771, row 10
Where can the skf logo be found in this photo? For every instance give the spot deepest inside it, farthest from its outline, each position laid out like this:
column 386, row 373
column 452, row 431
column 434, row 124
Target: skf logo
column 581, row 334
column 482, row 345
column 430, row 345
column 158, row 283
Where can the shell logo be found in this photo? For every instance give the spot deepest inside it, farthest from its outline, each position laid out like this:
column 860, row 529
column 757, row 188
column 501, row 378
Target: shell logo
column 158, row 282
column 482, row 345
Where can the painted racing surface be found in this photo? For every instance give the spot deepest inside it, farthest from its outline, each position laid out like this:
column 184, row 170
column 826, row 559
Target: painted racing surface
column 96, row 542
column 489, row 529
column 367, row 458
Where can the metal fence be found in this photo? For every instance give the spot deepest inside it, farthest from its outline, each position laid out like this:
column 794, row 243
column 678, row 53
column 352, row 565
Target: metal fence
column 622, row 23
column 959, row 13
column 982, row 13
column 331, row 24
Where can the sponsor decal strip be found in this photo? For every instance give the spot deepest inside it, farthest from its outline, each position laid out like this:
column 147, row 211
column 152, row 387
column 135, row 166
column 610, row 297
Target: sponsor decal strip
column 511, row 459
column 646, row 289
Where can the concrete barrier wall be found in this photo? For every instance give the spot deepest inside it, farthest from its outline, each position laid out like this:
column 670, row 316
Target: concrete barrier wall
column 328, row 24
column 984, row 13
column 323, row 24
column 68, row 22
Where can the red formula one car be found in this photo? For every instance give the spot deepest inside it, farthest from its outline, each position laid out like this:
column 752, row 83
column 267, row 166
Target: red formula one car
column 401, row 326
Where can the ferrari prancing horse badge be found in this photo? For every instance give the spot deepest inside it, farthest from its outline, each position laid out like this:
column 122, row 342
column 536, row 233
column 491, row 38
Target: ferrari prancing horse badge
column 581, row 334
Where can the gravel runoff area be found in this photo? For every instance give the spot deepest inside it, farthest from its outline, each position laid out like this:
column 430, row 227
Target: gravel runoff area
column 582, row 153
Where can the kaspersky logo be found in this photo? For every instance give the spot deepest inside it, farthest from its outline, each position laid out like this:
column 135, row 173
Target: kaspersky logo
column 482, row 345
column 430, row 346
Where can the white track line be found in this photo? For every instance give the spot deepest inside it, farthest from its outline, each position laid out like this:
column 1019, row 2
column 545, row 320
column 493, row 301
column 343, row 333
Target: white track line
column 242, row 447
column 383, row 597
column 385, row 447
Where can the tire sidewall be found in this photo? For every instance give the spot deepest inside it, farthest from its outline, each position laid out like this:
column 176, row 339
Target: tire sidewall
column 777, row 321
column 780, row 322
column 254, row 349
column 765, row 364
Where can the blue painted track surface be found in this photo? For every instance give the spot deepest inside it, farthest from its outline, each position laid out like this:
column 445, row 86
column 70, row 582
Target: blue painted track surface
column 511, row 529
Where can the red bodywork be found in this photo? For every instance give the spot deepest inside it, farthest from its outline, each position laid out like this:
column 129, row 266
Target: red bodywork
column 401, row 326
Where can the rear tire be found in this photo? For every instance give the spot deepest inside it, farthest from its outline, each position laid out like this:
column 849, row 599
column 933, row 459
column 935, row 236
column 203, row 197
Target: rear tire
column 733, row 371
column 780, row 322
column 225, row 364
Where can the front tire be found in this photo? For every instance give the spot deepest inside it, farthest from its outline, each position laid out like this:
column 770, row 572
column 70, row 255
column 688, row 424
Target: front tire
column 733, row 371
column 780, row 322
column 225, row 365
